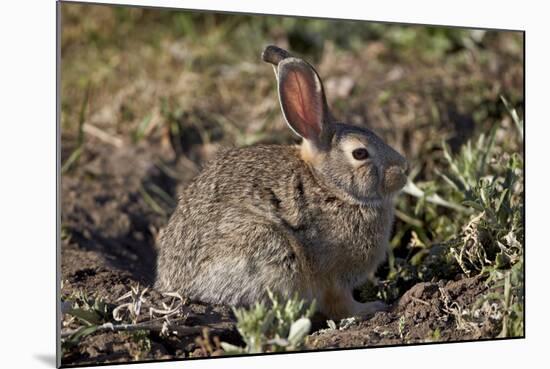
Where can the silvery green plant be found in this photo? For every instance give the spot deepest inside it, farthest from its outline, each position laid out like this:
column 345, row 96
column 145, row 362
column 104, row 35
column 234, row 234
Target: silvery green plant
column 274, row 327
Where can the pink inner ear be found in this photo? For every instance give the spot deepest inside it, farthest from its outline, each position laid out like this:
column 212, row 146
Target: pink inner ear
column 301, row 100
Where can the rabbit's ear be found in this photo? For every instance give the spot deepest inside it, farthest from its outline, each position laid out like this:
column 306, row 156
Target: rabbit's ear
column 303, row 101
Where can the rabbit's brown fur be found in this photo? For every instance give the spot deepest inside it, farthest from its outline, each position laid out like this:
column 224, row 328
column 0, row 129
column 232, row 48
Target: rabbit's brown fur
column 306, row 219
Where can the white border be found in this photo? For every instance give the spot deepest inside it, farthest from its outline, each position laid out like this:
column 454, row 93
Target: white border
column 27, row 152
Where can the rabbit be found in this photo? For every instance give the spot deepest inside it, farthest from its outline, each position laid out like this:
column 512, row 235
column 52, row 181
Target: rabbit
column 311, row 220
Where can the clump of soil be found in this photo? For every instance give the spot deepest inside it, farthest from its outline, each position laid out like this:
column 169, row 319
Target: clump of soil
column 423, row 314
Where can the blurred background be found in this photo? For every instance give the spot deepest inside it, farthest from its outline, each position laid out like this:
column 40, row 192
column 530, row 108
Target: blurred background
column 138, row 70
column 149, row 95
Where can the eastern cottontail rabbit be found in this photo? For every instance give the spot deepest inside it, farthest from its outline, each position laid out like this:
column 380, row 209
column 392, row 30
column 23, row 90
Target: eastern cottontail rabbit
column 312, row 219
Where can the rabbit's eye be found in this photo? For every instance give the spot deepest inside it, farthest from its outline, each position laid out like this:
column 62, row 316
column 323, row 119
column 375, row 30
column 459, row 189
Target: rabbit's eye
column 360, row 154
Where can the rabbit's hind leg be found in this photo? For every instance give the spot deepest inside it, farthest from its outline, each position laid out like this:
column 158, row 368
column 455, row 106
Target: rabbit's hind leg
column 245, row 267
column 281, row 263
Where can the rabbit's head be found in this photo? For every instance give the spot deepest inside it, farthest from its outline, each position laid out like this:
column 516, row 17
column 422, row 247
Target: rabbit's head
column 351, row 160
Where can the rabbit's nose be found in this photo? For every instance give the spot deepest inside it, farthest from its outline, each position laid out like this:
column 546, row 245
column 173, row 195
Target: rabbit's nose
column 399, row 164
column 395, row 178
